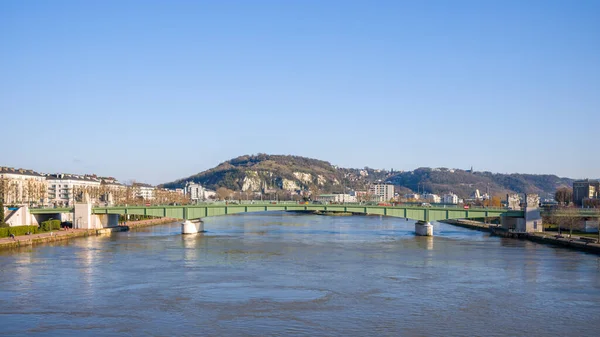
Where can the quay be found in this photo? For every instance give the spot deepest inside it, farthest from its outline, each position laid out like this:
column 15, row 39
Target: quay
column 60, row 235
column 576, row 242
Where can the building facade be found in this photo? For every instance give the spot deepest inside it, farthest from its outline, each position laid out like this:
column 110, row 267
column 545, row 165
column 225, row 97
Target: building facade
column 585, row 190
column 450, row 198
column 336, row 198
column 196, row 192
column 143, row 191
column 432, row 198
column 66, row 189
column 385, row 192
column 22, row 187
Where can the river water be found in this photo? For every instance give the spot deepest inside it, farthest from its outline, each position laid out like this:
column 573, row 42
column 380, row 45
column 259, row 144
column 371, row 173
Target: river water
column 285, row 274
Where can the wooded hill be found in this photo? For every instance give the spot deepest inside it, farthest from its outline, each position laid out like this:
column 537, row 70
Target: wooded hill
column 464, row 183
column 264, row 172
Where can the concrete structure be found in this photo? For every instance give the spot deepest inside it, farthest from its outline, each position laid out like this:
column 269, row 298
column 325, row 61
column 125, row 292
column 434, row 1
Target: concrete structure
column 84, row 218
column 385, row 192
column 585, row 190
column 65, row 189
column 19, row 217
column 530, row 222
column 192, row 227
column 450, row 198
column 423, row 228
column 20, row 186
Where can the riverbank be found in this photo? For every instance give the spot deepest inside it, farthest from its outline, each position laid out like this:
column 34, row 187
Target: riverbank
column 582, row 243
column 470, row 224
column 43, row 238
column 576, row 242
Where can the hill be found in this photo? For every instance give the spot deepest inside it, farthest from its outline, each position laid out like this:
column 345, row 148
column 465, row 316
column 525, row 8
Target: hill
column 280, row 172
column 265, row 172
column 463, row 183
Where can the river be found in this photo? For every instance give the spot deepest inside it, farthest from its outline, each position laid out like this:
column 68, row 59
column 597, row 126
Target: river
column 285, row 274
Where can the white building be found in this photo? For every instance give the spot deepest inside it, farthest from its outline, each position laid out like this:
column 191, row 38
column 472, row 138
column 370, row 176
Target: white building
column 412, row 196
column 432, row 198
column 450, row 198
column 197, row 192
column 19, row 186
column 65, row 189
column 194, row 191
column 385, row 192
column 337, row 198
column 143, row 191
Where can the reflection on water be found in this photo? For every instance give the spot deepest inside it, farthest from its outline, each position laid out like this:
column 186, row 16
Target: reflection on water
column 282, row 274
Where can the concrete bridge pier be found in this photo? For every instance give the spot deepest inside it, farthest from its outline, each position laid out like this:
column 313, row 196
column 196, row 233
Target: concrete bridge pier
column 192, row 227
column 423, row 228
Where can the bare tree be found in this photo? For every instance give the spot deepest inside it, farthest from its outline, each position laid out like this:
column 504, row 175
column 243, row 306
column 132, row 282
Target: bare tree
column 3, row 189
column 568, row 217
column 223, row 193
column 314, row 192
column 564, row 196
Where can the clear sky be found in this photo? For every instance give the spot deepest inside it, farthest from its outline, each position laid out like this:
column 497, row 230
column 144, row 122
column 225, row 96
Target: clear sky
column 160, row 90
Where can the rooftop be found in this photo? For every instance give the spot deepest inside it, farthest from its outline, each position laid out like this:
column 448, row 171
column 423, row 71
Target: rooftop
column 66, row 176
column 25, row 172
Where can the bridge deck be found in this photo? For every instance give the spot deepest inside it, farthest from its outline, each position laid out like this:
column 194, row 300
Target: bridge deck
column 189, row 212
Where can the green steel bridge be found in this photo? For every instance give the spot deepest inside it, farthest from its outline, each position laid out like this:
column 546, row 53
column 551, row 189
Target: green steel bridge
column 192, row 212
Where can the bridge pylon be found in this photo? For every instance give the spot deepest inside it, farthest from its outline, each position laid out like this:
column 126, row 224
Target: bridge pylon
column 423, row 228
column 189, row 227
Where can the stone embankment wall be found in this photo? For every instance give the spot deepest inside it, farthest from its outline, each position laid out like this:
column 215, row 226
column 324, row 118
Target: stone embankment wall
column 549, row 238
column 42, row 238
column 470, row 224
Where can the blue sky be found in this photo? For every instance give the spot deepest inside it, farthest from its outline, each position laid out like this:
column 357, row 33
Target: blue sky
column 159, row 90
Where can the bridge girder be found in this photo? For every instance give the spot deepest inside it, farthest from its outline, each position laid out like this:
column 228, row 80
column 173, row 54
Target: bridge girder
column 191, row 212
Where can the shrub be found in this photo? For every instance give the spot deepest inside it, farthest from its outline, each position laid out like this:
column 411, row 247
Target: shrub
column 18, row 230
column 50, row 225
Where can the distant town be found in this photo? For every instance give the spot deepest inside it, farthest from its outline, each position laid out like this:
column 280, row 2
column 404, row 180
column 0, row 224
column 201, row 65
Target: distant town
column 28, row 187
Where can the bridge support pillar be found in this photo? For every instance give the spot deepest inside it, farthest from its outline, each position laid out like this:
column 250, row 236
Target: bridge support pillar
column 423, row 228
column 189, row 227
column 83, row 217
